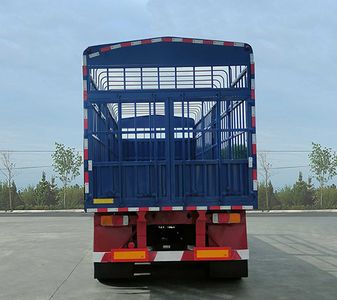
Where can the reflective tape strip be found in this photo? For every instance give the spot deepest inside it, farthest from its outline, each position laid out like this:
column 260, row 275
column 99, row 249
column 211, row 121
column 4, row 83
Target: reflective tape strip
column 92, row 55
column 172, row 208
column 85, row 143
column 166, row 39
column 116, row 46
column 86, row 188
column 169, row 256
column 225, row 207
column 252, row 84
column 253, row 111
column 254, row 138
column 97, row 256
column 112, row 209
column 85, row 113
column 85, row 85
column 252, row 58
column 84, row 71
column 254, row 185
column 89, row 165
column 154, row 209
column 250, row 162
column 84, row 60
column 243, row 253
column 218, row 43
column 254, row 174
column 157, row 40
column 136, row 43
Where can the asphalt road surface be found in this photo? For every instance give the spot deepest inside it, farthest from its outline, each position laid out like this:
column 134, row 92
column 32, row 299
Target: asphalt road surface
column 293, row 256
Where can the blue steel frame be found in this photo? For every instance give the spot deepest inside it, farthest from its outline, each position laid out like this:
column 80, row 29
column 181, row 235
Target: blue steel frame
column 98, row 120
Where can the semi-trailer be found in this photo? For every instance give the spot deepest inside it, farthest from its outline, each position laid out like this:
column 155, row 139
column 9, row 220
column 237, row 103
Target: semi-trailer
column 169, row 153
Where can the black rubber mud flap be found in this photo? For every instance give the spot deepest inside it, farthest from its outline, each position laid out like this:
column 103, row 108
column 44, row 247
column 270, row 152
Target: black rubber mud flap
column 233, row 269
column 110, row 271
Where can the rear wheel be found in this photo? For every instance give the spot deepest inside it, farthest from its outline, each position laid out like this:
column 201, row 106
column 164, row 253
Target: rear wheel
column 110, row 271
column 233, row 269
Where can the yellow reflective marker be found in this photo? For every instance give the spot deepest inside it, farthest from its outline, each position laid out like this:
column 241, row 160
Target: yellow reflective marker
column 220, row 253
column 103, row 200
column 124, row 255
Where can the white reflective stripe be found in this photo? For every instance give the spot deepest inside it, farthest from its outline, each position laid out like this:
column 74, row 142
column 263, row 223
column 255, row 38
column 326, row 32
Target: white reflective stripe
column 169, row 256
column 218, row 43
column 86, row 188
column 197, row 41
column 244, row 253
column 84, row 60
column 252, row 84
column 156, row 40
column 177, row 39
column 136, row 43
column 251, row 58
column 85, row 113
column 84, row 85
column 250, row 162
column 92, row 210
column 92, row 55
column 112, row 209
column 154, row 209
column 247, row 207
column 225, row 207
column 125, row 220
column 254, row 185
column 215, row 218
column 85, row 143
column 253, row 111
column 201, row 207
column 254, row 138
column 89, row 165
column 177, row 207
column 115, row 46
column 237, row 44
column 97, row 256
column 133, row 209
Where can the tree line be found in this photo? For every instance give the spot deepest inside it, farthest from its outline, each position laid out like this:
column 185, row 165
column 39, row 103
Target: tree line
column 301, row 195
column 46, row 194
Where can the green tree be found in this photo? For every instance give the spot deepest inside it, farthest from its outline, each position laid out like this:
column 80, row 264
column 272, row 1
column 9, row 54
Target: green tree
column 270, row 194
column 323, row 163
column 42, row 191
column 285, row 197
column 27, row 196
column 52, row 193
column 66, row 163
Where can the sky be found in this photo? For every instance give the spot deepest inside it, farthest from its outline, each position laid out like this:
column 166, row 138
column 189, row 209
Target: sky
column 41, row 45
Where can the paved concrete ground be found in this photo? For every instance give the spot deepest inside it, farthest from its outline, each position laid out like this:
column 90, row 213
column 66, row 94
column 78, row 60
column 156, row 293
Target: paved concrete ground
column 49, row 257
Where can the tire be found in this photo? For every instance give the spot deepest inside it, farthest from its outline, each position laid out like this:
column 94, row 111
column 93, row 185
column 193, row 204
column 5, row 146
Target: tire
column 111, row 271
column 232, row 269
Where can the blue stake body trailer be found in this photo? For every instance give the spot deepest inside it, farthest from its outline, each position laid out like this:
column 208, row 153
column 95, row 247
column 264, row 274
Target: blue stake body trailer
column 169, row 153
